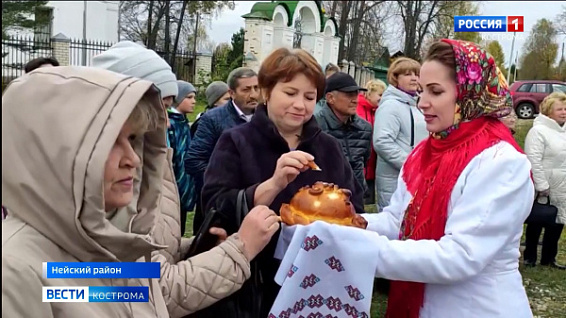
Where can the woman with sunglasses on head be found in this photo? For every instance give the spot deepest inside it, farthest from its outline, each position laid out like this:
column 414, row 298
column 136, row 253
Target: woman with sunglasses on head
column 449, row 240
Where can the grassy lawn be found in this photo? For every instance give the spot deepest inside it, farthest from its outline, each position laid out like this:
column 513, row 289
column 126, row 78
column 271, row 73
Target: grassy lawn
column 546, row 287
column 522, row 128
column 199, row 108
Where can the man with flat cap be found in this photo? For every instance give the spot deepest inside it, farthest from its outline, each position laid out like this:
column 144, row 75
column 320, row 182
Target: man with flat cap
column 339, row 119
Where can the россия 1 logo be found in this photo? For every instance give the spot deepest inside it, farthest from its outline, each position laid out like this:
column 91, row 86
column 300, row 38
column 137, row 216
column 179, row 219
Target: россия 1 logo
column 489, row 24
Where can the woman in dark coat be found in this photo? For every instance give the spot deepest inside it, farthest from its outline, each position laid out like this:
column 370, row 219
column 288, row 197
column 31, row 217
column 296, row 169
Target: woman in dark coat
column 268, row 156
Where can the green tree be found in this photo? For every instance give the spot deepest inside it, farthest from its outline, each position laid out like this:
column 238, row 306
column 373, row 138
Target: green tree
column 540, row 51
column 494, row 48
column 468, row 36
column 445, row 20
column 227, row 57
column 220, row 66
column 20, row 15
column 236, row 56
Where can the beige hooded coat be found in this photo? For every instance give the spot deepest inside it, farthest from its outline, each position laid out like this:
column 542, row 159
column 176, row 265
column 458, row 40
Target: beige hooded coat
column 58, row 126
column 191, row 285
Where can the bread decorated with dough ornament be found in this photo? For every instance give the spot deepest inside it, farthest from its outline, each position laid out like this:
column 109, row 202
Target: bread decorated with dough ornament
column 321, row 202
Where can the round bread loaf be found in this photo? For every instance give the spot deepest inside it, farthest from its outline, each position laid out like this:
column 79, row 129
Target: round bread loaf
column 321, row 202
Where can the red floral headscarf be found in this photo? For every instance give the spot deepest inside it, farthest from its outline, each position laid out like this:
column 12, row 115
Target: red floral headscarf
column 482, row 88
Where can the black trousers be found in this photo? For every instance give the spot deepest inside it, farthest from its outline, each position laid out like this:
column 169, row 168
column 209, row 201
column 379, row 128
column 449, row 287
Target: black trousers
column 550, row 240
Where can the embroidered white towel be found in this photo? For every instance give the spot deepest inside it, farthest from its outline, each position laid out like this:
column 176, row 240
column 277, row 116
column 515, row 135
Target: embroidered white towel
column 326, row 271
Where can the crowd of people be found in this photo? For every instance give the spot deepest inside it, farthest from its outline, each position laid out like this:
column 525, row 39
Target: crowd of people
column 112, row 165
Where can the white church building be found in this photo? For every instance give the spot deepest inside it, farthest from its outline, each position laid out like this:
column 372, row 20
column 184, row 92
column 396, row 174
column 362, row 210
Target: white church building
column 275, row 24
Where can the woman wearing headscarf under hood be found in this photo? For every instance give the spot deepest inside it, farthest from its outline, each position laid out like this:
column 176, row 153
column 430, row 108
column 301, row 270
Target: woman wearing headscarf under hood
column 178, row 276
column 449, row 240
column 67, row 187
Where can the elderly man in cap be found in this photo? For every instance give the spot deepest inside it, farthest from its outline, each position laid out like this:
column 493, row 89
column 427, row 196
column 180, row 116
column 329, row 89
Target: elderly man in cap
column 339, row 119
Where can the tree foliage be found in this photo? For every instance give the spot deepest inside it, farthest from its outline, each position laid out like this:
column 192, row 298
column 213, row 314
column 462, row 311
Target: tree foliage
column 20, row 15
column 540, row 51
column 445, row 22
column 227, row 57
column 136, row 23
column 494, row 48
column 418, row 18
column 220, row 66
column 561, row 22
column 361, row 26
column 364, row 25
column 236, row 56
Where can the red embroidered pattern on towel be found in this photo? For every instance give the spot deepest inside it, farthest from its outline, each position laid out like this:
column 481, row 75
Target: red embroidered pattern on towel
column 317, row 302
column 335, row 264
column 354, row 293
column 317, row 299
column 311, row 243
column 309, row 281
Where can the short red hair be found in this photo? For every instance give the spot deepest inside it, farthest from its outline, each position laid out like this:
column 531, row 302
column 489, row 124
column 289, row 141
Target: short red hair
column 282, row 65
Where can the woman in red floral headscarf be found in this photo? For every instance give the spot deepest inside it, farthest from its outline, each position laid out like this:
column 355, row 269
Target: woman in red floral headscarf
column 449, row 240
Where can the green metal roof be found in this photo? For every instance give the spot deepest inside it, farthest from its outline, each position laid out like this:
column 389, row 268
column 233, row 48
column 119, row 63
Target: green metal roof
column 257, row 15
column 265, row 10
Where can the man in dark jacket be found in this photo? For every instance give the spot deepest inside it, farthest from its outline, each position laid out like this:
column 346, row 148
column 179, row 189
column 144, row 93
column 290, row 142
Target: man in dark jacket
column 339, row 119
column 244, row 98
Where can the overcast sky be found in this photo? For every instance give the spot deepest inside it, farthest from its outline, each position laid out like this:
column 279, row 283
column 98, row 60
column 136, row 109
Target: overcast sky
column 222, row 28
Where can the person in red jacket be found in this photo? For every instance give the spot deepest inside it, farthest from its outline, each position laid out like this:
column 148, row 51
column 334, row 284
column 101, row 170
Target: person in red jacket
column 367, row 105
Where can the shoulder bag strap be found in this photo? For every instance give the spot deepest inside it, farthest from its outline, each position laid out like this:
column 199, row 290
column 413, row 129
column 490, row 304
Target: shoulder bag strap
column 242, row 208
column 412, row 128
column 239, row 207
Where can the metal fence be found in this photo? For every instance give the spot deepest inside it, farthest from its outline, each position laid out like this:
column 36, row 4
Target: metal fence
column 19, row 50
column 81, row 52
column 183, row 64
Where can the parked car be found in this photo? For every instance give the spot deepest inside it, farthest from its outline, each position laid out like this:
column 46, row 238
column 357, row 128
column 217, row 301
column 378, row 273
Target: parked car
column 527, row 95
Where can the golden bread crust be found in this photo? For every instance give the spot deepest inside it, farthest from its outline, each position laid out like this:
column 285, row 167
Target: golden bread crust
column 321, row 202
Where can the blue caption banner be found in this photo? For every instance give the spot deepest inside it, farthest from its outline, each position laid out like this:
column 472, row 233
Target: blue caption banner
column 95, row 294
column 100, row 270
column 480, row 24
column 117, row 294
